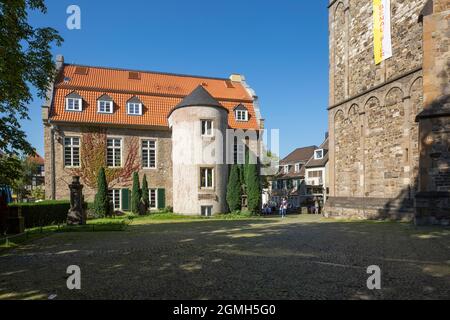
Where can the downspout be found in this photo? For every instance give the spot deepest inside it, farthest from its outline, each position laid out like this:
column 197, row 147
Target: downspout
column 52, row 159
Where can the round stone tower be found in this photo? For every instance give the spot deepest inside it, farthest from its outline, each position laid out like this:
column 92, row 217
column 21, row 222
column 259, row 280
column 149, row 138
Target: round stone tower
column 200, row 172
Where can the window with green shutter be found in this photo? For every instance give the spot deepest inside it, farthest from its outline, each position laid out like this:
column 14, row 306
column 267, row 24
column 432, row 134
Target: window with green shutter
column 126, row 198
column 161, row 198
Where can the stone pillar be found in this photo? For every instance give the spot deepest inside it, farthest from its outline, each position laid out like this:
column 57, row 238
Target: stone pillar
column 432, row 202
column 76, row 215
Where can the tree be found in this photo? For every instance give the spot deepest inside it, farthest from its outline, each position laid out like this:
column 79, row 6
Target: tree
column 253, row 188
column 145, row 194
column 234, row 189
column 24, row 179
column 135, row 194
column 10, row 169
column 101, row 203
column 26, row 62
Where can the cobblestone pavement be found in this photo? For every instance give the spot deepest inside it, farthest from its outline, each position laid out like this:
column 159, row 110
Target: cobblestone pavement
column 296, row 258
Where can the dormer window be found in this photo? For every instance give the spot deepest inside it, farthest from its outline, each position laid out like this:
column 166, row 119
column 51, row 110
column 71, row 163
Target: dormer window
column 105, row 104
column 297, row 168
column 74, row 102
column 286, row 169
column 241, row 113
column 318, row 154
column 134, row 107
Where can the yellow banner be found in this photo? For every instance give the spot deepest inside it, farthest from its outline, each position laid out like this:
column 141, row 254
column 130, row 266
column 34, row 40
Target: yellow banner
column 382, row 30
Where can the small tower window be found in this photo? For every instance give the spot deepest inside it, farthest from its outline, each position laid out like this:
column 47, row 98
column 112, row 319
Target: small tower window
column 207, row 128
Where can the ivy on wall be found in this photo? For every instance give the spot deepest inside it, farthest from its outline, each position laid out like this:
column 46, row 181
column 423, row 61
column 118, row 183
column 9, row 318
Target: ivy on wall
column 93, row 157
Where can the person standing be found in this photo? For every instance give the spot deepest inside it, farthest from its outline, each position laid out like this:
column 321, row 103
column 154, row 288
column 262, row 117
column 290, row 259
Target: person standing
column 284, row 207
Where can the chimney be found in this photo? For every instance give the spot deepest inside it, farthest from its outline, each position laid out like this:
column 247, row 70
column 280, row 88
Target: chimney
column 237, row 77
column 59, row 62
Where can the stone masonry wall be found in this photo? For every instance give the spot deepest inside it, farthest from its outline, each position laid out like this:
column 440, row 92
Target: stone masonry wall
column 374, row 149
column 157, row 178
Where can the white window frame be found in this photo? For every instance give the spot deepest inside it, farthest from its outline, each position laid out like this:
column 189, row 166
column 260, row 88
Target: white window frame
column 204, row 126
column 134, row 104
column 241, row 115
column 150, row 198
column 286, row 169
column 113, row 199
column 71, row 145
column 113, row 153
column 315, row 154
column 106, row 105
column 148, row 149
column 208, row 211
column 297, row 167
column 73, row 109
column 208, row 171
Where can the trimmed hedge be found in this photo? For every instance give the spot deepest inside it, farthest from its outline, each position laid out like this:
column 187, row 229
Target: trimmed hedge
column 44, row 213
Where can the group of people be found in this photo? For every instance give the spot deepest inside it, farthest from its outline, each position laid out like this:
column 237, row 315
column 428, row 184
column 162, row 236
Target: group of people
column 282, row 208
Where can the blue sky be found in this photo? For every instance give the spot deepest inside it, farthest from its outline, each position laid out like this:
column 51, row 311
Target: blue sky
column 280, row 46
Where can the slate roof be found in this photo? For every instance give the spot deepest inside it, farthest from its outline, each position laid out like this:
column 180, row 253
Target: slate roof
column 199, row 97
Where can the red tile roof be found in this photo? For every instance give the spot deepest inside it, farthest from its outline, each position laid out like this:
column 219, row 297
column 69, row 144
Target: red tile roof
column 159, row 93
column 37, row 159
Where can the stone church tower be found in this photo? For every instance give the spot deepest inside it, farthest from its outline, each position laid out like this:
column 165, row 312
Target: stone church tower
column 389, row 128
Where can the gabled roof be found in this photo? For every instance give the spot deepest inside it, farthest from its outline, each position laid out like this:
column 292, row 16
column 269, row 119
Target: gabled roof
column 299, row 155
column 37, row 159
column 240, row 107
column 74, row 95
column 160, row 92
column 105, row 97
column 315, row 163
column 134, row 100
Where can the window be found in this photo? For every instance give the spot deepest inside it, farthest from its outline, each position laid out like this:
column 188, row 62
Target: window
column 318, row 154
column 105, row 106
column 71, row 152
column 74, row 104
column 153, row 197
column 315, row 174
column 115, row 197
column 297, row 168
column 239, row 153
column 114, row 152
column 207, row 178
column 134, row 109
column 207, row 128
column 149, row 154
column 286, row 169
column 206, row 211
column 241, row 115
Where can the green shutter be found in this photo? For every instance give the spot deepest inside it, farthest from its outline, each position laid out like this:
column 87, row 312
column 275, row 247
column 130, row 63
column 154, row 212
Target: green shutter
column 125, row 200
column 161, row 198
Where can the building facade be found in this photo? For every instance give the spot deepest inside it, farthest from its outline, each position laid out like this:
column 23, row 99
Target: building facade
column 377, row 166
column 157, row 124
column 316, row 176
column 290, row 183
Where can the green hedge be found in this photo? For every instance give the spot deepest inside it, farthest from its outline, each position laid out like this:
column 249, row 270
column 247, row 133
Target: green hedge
column 44, row 213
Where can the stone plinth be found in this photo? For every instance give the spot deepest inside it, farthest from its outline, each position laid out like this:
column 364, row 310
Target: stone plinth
column 76, row 215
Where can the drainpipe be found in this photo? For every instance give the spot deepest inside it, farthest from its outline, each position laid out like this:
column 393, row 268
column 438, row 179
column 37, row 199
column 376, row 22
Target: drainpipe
column 52, row 159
